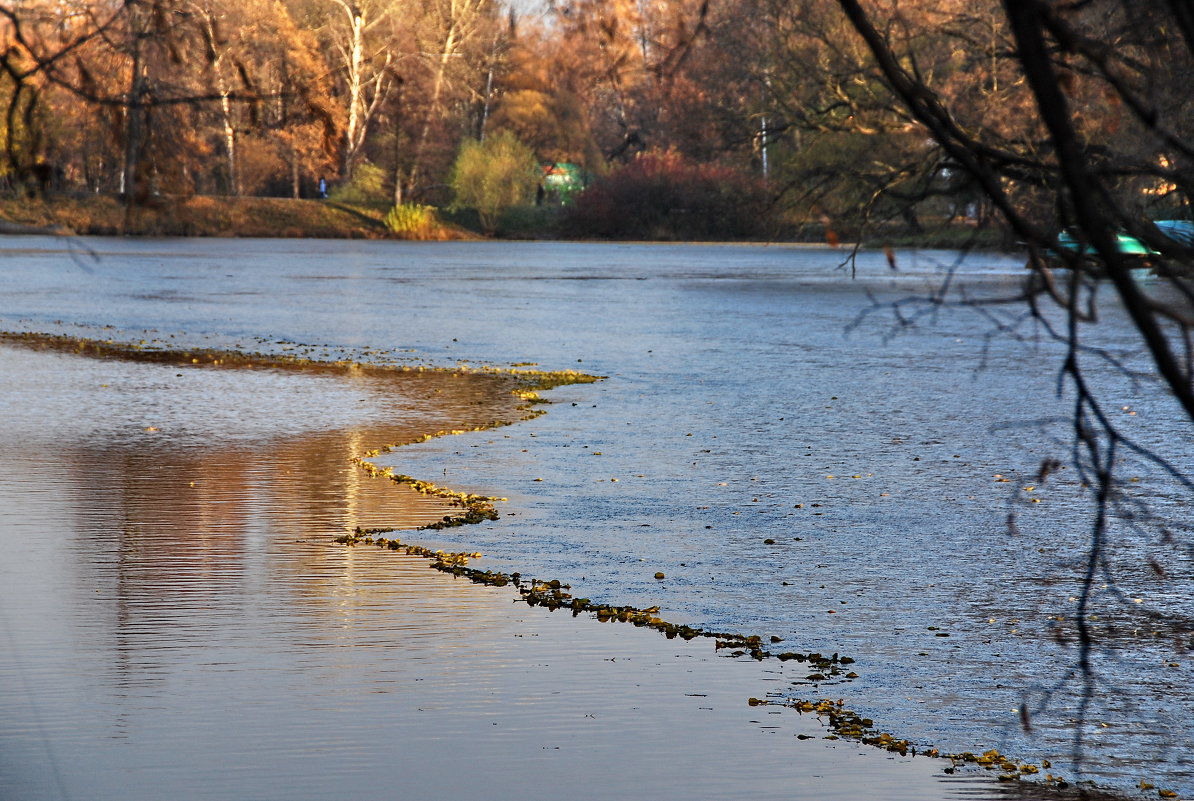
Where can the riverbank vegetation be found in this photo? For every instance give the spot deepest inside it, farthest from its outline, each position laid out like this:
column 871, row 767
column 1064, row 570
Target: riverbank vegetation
column 196, row 216
column 777, row 106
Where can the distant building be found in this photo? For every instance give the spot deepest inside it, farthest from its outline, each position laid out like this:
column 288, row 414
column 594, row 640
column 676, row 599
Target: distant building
column 561, row 182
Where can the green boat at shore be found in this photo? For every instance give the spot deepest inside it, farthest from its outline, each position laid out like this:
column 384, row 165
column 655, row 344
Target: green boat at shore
column 1180, row 231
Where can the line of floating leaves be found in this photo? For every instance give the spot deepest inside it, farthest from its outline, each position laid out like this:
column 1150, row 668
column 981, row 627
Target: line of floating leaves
column 476, row 507
column 848, row 724
column 554, row 595
column 842, row 722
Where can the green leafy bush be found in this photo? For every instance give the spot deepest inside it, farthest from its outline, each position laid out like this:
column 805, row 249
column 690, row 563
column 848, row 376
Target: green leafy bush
column 664, row 196
column 413, row 221
column 494, row 175
column 365, row 188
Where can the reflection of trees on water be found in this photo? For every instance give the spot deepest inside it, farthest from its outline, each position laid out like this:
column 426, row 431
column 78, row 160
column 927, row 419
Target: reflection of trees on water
column 188, row 535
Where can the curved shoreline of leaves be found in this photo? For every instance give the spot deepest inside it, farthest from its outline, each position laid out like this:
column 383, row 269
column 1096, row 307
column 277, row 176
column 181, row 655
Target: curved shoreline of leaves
column 841, row 722
column 554, row 595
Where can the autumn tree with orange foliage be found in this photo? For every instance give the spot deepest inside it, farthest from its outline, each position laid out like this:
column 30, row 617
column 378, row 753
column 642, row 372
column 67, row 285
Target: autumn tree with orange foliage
column 164, row 97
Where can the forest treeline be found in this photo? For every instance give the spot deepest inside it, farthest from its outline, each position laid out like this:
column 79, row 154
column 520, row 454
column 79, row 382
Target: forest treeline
column 767, row 109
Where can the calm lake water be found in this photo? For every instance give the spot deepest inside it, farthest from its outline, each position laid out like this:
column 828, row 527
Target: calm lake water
column 796, row 460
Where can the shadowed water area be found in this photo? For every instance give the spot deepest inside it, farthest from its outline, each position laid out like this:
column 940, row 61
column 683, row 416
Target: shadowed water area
column 177, row 588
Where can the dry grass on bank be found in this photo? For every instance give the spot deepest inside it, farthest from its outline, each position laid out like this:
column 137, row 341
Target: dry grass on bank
column 204, row 216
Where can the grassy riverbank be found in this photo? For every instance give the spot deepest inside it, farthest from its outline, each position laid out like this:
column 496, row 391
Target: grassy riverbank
column 203, row 216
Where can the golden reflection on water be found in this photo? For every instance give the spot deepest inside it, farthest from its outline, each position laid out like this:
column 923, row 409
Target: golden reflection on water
column 191, row 510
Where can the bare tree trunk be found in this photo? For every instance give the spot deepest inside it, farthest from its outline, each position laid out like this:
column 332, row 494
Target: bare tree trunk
column 368, row 82
column 356, row 58
column 131, row 178
column 294, row 173
column 229, row 142
column 397, row 125
column 437, row 88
